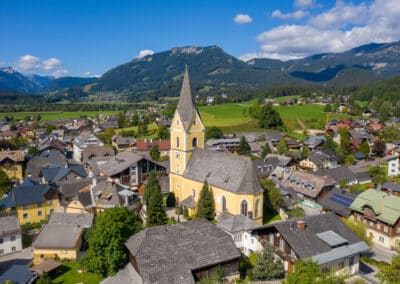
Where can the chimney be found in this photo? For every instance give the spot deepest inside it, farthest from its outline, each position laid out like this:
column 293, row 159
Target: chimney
column 300, row 225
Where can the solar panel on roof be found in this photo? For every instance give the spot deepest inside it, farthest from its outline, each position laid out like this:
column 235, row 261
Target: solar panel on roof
column 341, row 200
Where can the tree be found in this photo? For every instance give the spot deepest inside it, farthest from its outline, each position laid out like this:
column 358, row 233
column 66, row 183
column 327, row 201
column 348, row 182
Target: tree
column 327, row 108
column 269, row 118
column 155, row 153
column 205, row 205
column 143, row 129
column 329, row 144
column 106, row 253
column 171, row 200
column 390, row 273
column 50, row 128
column 213, row 132
column 272, row 197
column 267, row 267
column 135, row 119
column 244, row 148
column 107, row 135
column 266, row 150
column 364, row 148
column 378, row 174
column 379, row 148
column 309, row 272
column 122, row 120
column 155, row 210
column 358, row 229
column 282, row 147
column 163, row 132
column 350, row 160
column 32, row 151
column 305, row 152
column 344, row 141
column 5, row 183
column 296, row 212
column 152, row 186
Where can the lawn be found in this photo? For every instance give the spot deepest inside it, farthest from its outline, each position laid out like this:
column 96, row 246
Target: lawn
column 152, row 130
column 68, row 274
column 270, row 217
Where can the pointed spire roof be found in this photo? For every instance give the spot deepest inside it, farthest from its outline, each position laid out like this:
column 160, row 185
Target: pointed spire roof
column 186, row 108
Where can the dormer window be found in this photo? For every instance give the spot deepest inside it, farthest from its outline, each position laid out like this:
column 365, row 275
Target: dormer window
column 194, row 122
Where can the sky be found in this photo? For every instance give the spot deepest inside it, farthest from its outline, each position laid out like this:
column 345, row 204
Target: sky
column 89, row 37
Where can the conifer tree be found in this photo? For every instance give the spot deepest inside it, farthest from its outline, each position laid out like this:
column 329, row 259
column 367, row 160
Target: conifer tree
column 205, row 205
column 267, row 267
column 266, row 150
column 244, row 148
column 155, row 210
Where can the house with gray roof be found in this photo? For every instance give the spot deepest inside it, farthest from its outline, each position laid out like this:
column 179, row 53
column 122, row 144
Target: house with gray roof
column 190, row 251
column 324, row 239
column 83, row 220
column 56, row 173
column 80, row 143
column 10, row 234
column 319, row 160
column 36, row 164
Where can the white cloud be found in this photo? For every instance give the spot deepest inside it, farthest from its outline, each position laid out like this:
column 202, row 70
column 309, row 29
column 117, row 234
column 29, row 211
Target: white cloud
column 145, row 52
column 91, row 75
column 297, row 15
column 28, row 63
column 341, row 15
column 337, row 29
column 242, row 19
column 303, row 3
column 51, row 64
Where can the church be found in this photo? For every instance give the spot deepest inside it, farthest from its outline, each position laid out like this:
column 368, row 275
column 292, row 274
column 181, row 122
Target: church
column 232, row 178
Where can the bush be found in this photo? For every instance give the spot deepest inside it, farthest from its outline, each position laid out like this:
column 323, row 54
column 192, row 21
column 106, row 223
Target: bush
column 185, row 213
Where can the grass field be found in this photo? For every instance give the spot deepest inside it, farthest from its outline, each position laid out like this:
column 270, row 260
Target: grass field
column 69, row 274
column 58, row 114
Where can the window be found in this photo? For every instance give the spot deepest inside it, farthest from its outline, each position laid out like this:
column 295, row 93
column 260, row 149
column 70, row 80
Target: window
column 177, row 155
column 381, row 239
column 378, row 226
column 25, row 216
column 194, row 122
column 177, row 141
column 12, row 238
column 351, row 261
column 194, row 142
column 223, row 203
column 271, row 239
column 282, row 243
column 50, row 202
column 256, row 208
column 1, row 251
column 341, row 265
column 177, row 122
column 398, row 230
column 13, row 249
column 1, row 241
column 193, row 193
column 371, row 224
column 243, row 207
column 385, row 229
column 39, row 213
column 39, row 204
column 177, row 168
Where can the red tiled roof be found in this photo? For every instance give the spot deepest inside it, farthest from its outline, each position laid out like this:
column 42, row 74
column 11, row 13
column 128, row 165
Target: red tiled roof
column 163, row 145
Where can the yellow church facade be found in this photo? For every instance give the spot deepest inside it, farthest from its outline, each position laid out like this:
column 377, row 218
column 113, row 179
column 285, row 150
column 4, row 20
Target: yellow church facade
column 234, row 184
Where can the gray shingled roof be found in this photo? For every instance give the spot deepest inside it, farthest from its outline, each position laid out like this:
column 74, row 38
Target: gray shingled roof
column 124, row 276
column 119, row 163
column 9, row 225
column 185, row 108
column 328, row 204
column 169, row 253
column 223, row 170
column 306, row 243
column 35, row 165
column 237, row 223
column 84, row 220
column 60, row 236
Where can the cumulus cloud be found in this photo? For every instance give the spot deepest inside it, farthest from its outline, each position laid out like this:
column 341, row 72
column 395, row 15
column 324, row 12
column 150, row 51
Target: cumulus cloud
column 336, row 29
column 91, row 75
column 32, row 64
column 297, row 15
column 145, row 52
column 242, row 19
column 51, row 64
column 303, row 3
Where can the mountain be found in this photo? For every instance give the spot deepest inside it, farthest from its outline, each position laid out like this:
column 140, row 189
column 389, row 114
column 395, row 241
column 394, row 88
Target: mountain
column 12, row 80
column 211, row 70
column 380, row 60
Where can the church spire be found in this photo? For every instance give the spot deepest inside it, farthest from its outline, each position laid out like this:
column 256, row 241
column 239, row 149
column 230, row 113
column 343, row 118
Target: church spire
column 185, row 107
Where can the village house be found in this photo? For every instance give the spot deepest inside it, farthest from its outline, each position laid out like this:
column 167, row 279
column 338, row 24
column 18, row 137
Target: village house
column 186, row 264
column 338, row 201
column 393, row 166
column 322, row 238
column 11, row 163
column 81, row 142
column 223, row 144
column 10, row 234
column 46, row 159
column 319, row 160
column 349, row 175
column 271, row 162
column 7, row 135
column 123, row 143
column 33, row 202
column 92, row 151
column 234, row 182
column 391, row 188
column 143, row 147
column 380, row 212
column 56, row 173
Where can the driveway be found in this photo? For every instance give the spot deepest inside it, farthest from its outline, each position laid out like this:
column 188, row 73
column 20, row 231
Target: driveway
column 381, row 253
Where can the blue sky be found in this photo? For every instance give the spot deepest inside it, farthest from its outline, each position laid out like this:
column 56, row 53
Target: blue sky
column 88, row 37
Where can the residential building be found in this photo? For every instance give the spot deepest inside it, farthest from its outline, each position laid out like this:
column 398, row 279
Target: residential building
column 10, row 234
column 349, row 174
column 11, row 163
column 33, row 202
column 234, row 182
column 380, row 212
column 190, row 252
column 81, row 142
column 338, row 201
column 124, row 143
column 61, row 241
column 319, row 160
column 322, row 238
column 37, row 163
column 80, row 219
column 57, row 173
column 92, row 151
column 391, row 188
column 144, row 146
column 393, row 166
column 223, row 144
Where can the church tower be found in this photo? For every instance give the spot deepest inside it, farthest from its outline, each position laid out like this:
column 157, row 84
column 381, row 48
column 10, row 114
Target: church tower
column 186, row 134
